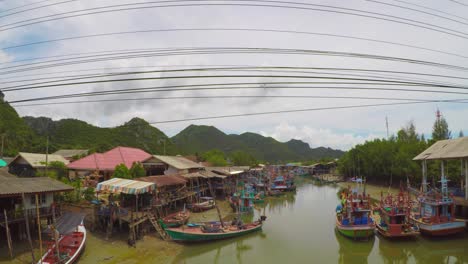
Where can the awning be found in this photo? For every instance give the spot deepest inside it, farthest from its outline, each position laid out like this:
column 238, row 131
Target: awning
column 117, row 185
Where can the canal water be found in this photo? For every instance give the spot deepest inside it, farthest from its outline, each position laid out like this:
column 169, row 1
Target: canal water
column 300, row 229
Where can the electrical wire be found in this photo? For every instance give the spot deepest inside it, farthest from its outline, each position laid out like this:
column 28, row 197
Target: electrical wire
column 232, row 29
column 464, row 100
column 372, row 15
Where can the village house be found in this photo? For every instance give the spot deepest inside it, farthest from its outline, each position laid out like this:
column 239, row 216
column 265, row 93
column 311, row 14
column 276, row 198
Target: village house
column 71, row 154
column 18, row 202
column 168, row 165
column 102, row 165
column 30, row 164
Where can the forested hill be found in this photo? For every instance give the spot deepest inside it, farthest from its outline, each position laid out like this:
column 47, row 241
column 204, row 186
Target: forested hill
column 29, row 134
column 199, row 139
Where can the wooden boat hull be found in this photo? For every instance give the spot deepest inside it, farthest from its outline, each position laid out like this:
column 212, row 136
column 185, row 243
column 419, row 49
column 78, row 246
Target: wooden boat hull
column 442, row 229
column 180, row 235
column 67, row 243
column 177, row 219
column 356, row 231
column 387, row 234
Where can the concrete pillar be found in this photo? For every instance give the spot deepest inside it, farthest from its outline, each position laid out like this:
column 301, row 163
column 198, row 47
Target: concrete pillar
column 466, row 179
column 424, row 176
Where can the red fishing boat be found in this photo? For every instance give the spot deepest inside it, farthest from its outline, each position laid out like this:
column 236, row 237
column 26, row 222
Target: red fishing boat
column 436, row 214
column 70, row 246
column 392, row 216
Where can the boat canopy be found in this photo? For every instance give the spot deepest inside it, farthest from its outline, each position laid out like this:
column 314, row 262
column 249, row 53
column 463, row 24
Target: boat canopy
column 118, row 185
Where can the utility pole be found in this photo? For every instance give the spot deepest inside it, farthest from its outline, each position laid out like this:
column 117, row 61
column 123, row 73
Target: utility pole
column 3, row 142
column 47, row 157
column 386, row 124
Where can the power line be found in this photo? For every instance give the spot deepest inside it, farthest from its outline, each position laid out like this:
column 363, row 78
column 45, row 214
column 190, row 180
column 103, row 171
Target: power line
column 282, row 112
column 35, row 8
column 218, row 51
column 432, row 9
column 232, row 29
column 234, row 69
column 372, row 15
column 239, row 67
column 242, row 97
column 417, row 10
column 226, row 86
column 460, row 3
column 367, row 81
column 18, row 7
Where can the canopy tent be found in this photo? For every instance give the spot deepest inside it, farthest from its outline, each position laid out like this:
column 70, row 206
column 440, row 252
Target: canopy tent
column 3, row 163
column 117, row 185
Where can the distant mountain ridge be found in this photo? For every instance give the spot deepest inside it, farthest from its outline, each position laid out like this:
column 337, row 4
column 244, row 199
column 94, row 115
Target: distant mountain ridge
column 29, row 134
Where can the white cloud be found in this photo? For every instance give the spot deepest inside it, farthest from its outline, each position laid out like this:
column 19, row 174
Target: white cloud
column 317, row 137
column 336, row 128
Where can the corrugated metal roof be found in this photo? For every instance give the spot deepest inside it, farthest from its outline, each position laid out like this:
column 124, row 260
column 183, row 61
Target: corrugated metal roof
column 37, row 160
column 446, row 149
column 68, row 153
column 178, row 162
column 13, row 186
column 110, row 159
column 228, row 170
column 164, row 180
column 117, row 185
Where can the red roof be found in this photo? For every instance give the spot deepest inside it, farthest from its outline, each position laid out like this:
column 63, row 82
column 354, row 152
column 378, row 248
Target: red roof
column 164, row 180
column 110, row 159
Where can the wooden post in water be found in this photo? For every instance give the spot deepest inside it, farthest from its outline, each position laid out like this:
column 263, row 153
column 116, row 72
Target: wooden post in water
column 10, row 249
column 55, row 234
column 28, row 233
column 39, row 226
column 216, row 204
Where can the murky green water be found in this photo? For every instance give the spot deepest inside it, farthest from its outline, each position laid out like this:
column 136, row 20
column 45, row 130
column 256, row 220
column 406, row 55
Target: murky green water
column 299, row 229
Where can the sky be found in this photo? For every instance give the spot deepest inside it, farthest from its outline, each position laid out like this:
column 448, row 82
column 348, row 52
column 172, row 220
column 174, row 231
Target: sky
column 335, row 128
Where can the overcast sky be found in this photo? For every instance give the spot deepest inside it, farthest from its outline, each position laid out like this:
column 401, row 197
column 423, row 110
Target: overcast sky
column 332, row 128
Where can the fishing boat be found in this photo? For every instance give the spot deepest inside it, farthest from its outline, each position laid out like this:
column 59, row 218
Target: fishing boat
column 436, row 214
column 392, row 216
column 206, row 203
column 177, row 219
column 353, row 216
column 280, row 184
column 242, row 201
column 259, row 198
column 213, row 231
column 70, row 246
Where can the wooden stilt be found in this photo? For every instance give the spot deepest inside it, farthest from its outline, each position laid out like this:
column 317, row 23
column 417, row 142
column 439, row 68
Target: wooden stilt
column 10, row 247
column 28, row 233
column 39, row 227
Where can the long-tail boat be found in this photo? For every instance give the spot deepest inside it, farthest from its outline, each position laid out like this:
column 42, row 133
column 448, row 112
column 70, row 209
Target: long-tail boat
column 213, row 231
column 436, row 215
column 177, row 219
column 353, row 216
column 70, row 246
column 392, row 216
column 206, row 203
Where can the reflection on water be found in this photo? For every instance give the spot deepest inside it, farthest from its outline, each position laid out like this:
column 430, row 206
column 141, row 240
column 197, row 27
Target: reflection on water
column 351, row 251
column 300, row 228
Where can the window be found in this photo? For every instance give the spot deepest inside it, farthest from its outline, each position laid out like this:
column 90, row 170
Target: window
column 42, row 199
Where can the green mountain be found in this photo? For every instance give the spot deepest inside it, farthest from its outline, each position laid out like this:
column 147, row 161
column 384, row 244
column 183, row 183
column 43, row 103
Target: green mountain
column 17, row 135
column 199, row 139
column 72, row 133
column 30, row 133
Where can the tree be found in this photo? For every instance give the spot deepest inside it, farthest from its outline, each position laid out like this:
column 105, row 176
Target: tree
column 137, row 170
column 121, row 171
column 461, row 134
column 215, row 157
column 241, row 158
column 440, row 128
